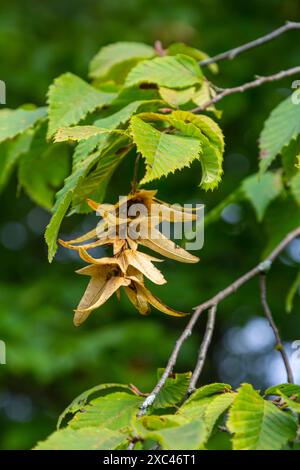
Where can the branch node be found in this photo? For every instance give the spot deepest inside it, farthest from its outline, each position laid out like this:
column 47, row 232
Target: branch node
column 265, row 266
column 147, row 402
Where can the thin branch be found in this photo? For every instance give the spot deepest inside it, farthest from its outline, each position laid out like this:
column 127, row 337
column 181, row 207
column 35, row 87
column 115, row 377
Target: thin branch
column 262, row 267
column 159, row 48
column 247, row 86
column 203, row 348
column 279, row 345
column 232, row 53
column 171, row 363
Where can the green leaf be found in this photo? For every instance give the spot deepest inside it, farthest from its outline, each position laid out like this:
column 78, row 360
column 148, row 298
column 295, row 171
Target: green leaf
column 163, row 153
column 285, row 389
column 209, row 409
column 207, row 391
column 291, row 294
column 173, row 391
column 78, row 133
column 62, row 204
column 111, row 122
column 177, row 98
column 178, row 71
column 208, row 403
column 113, row 411
column 106, row 63
column 63, row 201
column 173, row 432
column 82, row 439
column 203, row 95
column 94, row 185
column 11, row 151
column 212, row 144
column 261, row 190
column 280, row 128
column 79, row 402
column 290, row 156
column 70, row 99
column 216, row 408
column 181, row 48
column 292, row 404
column 75, row 189
column 15, row 121
column 258, row 424
column 41, row 185
column 290, row 394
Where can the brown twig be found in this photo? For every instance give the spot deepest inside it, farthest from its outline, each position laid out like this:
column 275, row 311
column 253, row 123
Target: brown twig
column 232, row 53
column 171, row 363
column 262, row 267
column 203, row 349
column 247, row 86
column 279, row 345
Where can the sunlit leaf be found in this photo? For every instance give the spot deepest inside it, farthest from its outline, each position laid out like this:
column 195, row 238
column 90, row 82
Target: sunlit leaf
column 70, row 99
column 280, row 128
column 258, row 424
column 178, row 71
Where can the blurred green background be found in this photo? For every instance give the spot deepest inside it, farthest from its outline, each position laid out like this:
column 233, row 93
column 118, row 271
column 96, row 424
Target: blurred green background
column 49, row 361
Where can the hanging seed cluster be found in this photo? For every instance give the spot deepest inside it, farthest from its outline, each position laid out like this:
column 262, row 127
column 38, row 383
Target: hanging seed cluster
column 128, row 266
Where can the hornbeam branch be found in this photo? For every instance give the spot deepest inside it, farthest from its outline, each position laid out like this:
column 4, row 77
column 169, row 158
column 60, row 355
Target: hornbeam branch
column 260, row 268
column 232, row 53
column 247, row 86
column 279, row 345
column 203, row 349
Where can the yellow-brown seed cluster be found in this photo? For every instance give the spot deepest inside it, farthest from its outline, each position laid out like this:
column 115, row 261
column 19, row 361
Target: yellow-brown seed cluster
column 128, row 266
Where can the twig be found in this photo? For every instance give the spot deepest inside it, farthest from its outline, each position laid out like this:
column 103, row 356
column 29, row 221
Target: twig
column 171, row 363
column 232, row 53
column 131, row 445
column 247, row 86
column 159, row 48
column 203, row 349
column 262, row 267
column 279, row 345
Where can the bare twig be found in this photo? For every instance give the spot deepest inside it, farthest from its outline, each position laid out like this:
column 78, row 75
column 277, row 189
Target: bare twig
column 232, row 53
column 171, row 363
column 247, row 86
column 262, row 267
column 279, row 345
column 203, row 348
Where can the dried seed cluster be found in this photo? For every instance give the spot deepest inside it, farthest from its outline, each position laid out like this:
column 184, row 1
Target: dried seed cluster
column 128, row 266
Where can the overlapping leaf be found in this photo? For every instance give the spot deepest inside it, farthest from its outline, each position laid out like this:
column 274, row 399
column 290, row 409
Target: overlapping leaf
column 113, row 61
column 199, row 137
column 280, row 128
column 70, row 99
column 178, row 71
column 89, row 438
column 41, row 185
column 163, row 153
column 11, row 152
column 258, row 424
column 15, row 121
column 113, row 411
